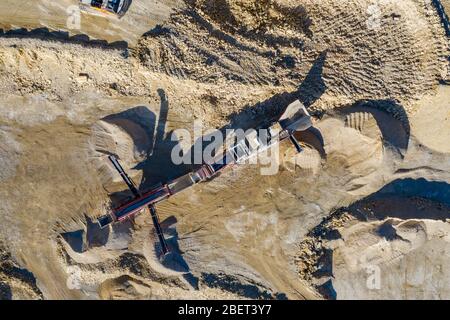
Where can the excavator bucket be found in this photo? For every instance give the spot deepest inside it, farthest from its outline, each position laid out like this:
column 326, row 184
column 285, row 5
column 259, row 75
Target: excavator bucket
column 296, row 118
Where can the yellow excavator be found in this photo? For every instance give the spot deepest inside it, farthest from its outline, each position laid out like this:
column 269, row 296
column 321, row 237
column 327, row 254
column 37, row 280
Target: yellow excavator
column 116, row 8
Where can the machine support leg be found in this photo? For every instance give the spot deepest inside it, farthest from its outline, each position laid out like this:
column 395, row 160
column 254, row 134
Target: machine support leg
column 158, row 229
column 124, row 176
column 295, row 143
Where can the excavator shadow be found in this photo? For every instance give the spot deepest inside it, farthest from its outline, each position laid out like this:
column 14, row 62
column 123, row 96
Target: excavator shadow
column 63, row 37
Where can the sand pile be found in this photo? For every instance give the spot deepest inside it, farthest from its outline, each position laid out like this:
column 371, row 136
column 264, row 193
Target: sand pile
column 9, row 153
column 34, row 67
column 390, row 245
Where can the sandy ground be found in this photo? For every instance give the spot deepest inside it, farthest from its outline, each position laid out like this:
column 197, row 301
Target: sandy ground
column 378, row 105
column 142, row 16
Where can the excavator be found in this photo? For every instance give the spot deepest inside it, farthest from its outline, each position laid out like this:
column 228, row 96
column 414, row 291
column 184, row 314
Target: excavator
column 116, row 8
column 295, row 118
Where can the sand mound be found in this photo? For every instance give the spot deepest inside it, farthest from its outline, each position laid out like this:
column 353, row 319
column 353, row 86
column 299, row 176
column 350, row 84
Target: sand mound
column 389, row 245
column 399, row 252
column 248, row 240
column 230, row 63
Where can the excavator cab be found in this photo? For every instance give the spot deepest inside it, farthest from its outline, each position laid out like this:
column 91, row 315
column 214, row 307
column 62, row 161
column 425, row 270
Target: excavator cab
column 101, row 7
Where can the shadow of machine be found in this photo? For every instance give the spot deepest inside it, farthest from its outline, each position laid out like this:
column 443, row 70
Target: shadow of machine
column 295, row 119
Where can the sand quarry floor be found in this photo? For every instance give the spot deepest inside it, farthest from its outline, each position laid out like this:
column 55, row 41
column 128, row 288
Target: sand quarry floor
column 362, row 213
